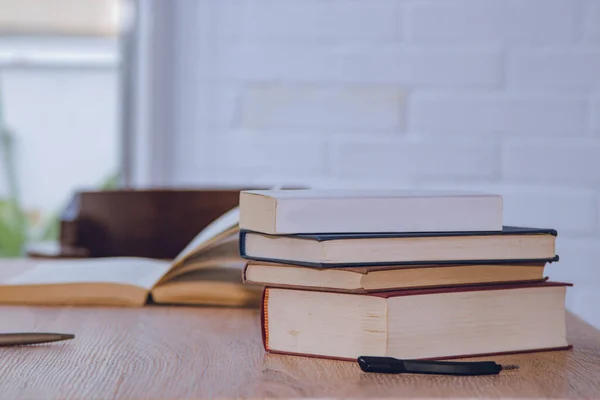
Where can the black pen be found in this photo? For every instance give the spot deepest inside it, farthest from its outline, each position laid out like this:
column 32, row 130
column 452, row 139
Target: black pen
column 390, row 365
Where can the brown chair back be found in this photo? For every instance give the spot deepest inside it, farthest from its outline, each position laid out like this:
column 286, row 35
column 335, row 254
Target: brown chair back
column 139, row 223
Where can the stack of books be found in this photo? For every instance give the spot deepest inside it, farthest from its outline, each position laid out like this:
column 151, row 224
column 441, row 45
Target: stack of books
column 412, row 275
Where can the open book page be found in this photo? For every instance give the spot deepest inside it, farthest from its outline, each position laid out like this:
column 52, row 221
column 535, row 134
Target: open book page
column 140, row 272
column 221, row 228
column 223, row 254
column 226, row 273
column 221, row 286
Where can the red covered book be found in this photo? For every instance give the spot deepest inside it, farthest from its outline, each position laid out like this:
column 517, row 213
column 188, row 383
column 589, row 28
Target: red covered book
column 416, row 324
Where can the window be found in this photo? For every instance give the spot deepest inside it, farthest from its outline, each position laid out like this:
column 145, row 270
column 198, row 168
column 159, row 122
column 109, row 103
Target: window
column 59, row 110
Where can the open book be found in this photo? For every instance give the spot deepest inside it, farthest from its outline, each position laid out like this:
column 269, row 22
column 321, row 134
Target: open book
column 207, row 272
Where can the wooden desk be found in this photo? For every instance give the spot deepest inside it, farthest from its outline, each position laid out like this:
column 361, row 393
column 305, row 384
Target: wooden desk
column 183, row 352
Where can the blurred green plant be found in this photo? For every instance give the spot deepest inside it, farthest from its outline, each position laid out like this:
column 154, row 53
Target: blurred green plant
column 13, row 226
column 13, row 222
column 17, row 226
column 112, row 182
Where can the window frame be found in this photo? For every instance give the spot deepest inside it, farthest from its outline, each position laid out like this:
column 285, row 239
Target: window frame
column 94, row 18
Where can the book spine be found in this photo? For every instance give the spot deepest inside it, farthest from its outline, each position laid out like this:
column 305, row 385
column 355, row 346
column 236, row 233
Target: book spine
column 250, row 257
column 264, row 318
column 242, row 243
column 364, row 291
column 244, row 280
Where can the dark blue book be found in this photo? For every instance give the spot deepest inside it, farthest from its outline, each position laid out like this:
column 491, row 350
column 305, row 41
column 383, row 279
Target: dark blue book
column 511, row 245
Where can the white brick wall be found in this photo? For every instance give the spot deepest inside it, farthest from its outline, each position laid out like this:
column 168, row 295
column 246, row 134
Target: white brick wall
column 591, row 12
column 552, row 161
column 471, row 94
column 520, row 113
column 554, row 68
column 351, row 107
column 491, row 22
column 362, row 63
column 595, row 110
column 413, row 159
column 311, row 20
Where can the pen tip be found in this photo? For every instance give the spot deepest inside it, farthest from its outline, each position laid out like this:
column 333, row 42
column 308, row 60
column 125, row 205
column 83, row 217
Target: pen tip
column 509, row 367
column 65, row 336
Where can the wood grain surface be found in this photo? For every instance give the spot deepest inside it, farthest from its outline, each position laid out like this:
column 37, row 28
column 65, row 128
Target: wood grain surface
column 160, row 352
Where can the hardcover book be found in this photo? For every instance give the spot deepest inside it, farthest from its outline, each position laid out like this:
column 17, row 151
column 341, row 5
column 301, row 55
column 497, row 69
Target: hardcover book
column 343, row 211
column 416, row 324
column 510, row 245
column 386, row 278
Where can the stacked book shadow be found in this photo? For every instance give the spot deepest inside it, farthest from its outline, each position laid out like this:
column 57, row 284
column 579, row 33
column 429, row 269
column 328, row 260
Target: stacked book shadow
column 400, row 274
